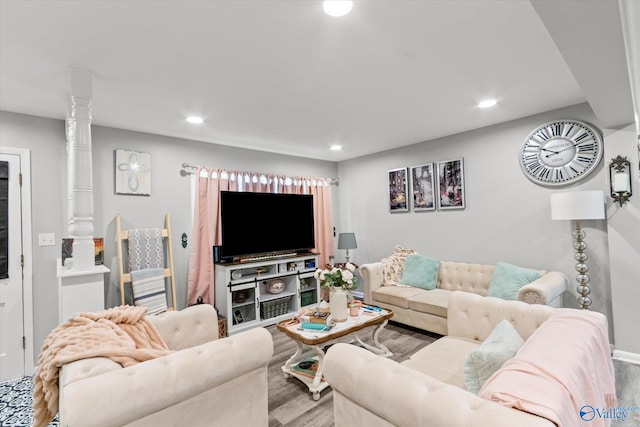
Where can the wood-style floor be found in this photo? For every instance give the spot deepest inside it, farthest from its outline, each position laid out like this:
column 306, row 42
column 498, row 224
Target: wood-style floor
column 290, row 403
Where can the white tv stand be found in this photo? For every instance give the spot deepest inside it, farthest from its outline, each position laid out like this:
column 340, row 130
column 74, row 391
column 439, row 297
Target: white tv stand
column 242, row 296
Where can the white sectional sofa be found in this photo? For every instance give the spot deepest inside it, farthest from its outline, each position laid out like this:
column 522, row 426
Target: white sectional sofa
column 430, row 389
column 428, row 309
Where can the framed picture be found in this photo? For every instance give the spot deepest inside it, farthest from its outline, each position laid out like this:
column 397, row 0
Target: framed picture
column 133, row 173
column 423, row 188
column 398, row 190
column 451, row 184
column 237, row 316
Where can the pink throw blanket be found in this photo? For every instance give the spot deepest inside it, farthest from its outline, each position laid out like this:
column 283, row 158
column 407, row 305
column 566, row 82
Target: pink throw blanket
column 563, row 372
column 121, row 333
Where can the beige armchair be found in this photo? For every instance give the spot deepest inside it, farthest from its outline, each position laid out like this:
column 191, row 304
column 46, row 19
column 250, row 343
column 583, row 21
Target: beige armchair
column 207, row 381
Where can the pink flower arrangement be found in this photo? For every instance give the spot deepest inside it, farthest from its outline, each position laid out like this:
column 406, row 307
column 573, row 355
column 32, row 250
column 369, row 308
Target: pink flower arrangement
column 340, row 277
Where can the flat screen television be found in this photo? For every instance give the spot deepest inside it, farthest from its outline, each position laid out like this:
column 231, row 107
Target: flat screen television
column 263, row 224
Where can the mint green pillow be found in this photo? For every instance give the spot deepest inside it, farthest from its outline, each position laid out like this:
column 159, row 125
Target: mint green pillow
column 501, row 345
column 507, row 279
column 420, row 271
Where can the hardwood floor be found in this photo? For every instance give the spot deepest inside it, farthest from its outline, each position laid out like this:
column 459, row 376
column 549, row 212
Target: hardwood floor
column 290, row 403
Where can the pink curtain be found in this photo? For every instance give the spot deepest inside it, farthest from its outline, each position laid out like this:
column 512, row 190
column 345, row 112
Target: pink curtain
column 207, row 233
column 323, row 219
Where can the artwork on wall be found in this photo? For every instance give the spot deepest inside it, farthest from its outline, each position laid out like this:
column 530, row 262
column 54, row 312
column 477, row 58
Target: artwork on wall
column 133, row 173
column 423, row 187
column 398, row 190
column 67, row 249
column 451, row 184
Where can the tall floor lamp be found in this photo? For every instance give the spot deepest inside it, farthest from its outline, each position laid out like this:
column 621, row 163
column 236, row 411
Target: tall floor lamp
column 579, row 205
column 347, row 241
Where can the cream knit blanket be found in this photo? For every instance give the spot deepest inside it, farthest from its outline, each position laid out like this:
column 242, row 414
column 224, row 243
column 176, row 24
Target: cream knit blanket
column 121, row 334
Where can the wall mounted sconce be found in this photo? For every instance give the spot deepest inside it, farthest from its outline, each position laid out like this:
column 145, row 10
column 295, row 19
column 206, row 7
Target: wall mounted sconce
column 620, row 179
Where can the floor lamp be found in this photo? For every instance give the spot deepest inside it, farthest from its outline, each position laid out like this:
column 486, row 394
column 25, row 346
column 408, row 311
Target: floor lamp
column 579, row 205
column 347, row 241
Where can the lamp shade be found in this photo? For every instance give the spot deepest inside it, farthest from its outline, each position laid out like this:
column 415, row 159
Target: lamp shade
column 347, row 241
column 577, row 205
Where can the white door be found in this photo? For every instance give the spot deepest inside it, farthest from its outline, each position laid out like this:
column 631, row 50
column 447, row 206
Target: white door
column 12, row 351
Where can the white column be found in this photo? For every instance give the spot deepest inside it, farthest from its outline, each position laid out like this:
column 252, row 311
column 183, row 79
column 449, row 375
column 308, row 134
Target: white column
column 80, row 173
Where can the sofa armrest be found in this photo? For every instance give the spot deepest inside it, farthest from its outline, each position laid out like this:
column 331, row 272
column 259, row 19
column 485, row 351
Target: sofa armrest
column 186, row 328
column 121, row 396
column 373, row 390
column 545, row 290
column 372, row 278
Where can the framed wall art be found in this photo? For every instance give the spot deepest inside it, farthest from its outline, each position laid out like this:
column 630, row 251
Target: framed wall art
column 423, row 188
column 398, row 201
column 133, row 173
column 451, row 184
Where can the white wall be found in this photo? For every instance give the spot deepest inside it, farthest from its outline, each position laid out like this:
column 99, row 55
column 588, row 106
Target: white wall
column 507, row 217
column 170, row 193
column 624, row 247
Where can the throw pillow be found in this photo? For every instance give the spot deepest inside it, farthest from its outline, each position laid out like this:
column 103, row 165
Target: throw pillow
column 500, row 346
column 393, row 265
column 420, row 271
column 507, row 279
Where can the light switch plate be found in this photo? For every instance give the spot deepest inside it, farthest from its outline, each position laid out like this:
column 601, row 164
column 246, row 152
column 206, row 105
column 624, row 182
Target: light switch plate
column 46, row 239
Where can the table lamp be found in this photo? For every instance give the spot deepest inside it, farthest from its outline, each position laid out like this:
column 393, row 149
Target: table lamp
column 347, row 241
column 579, row 205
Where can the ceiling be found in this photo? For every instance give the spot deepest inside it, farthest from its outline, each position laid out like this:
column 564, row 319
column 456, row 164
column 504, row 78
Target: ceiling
column 281, row 76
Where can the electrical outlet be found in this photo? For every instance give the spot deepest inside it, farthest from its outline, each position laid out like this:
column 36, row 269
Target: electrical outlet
column 46, row 239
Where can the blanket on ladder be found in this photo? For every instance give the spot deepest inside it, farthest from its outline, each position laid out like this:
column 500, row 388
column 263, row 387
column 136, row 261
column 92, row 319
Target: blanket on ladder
column 121, row 334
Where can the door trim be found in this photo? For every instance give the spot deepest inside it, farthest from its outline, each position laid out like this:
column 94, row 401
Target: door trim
column 27, row 251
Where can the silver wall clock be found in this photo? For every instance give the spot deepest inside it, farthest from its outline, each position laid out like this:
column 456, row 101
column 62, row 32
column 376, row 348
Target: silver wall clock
column 561, row 152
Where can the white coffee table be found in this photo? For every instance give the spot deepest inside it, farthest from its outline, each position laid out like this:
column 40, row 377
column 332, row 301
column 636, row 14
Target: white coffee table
column 309, row 344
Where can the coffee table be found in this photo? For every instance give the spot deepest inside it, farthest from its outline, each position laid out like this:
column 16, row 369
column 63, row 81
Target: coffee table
column 309, row 344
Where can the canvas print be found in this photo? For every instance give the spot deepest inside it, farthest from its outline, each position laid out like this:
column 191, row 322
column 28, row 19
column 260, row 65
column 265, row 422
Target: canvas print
column 423, row 187
column 398, row 201
column 451, row 184
column 133, row 173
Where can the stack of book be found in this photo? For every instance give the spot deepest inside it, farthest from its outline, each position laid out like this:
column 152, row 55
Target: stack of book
column 316, row 321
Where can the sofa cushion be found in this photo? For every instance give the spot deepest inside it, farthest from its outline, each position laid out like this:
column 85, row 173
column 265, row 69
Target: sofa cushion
column 467, row 277
column 395, row 295
column 444, row 359
column 434, row 302
column 393, row 265
column 507, row 279
column 420, row 271
column 500, row 346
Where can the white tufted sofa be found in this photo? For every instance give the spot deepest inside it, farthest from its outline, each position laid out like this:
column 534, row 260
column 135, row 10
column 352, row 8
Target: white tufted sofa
column 428, row 389
column 207, row 381
column 427, row 309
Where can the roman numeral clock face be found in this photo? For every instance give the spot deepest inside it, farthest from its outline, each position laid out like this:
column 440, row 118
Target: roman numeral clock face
column 561, row 152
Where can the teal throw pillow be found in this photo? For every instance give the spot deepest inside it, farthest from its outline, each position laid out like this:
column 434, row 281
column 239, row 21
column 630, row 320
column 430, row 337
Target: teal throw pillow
column 507, row 279
column 420, row 271
column 500, row 346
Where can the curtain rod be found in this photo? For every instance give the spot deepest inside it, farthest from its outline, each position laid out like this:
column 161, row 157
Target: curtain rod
column 184, row 172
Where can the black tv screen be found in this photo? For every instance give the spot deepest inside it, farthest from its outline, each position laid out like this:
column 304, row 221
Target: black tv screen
column 265, row 223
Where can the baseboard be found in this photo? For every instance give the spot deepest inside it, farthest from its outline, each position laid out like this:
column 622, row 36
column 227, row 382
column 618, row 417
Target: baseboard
column 626, row 356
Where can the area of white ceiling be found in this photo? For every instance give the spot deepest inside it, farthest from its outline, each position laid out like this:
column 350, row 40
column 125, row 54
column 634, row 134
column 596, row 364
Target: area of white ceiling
column 281, row 76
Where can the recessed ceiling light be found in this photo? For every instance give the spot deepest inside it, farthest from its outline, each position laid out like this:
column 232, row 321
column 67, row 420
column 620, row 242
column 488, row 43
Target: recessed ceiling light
column 488, row 103
column 195, row 120
column 337, row 7
column 336, row 147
